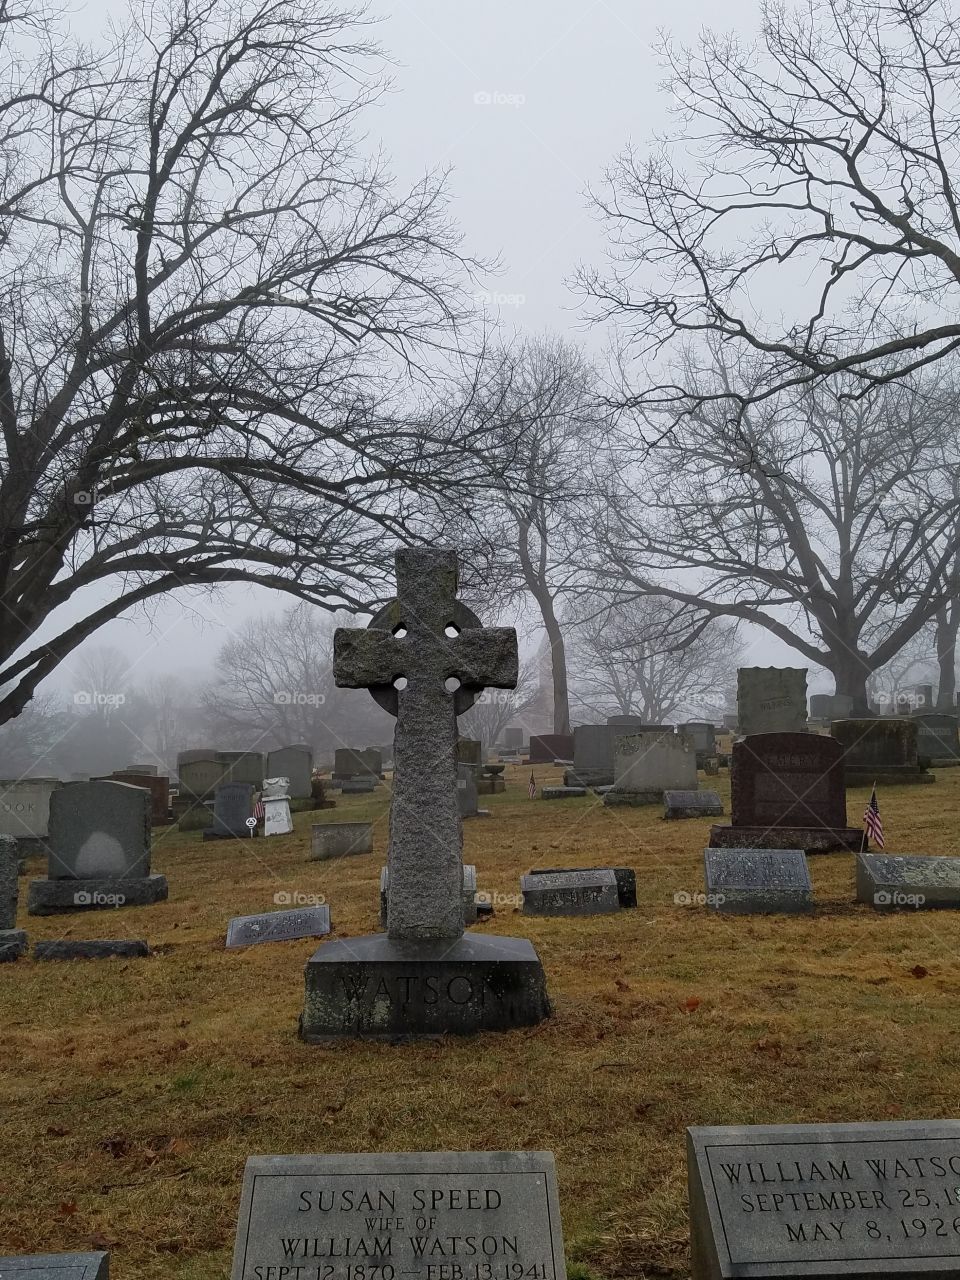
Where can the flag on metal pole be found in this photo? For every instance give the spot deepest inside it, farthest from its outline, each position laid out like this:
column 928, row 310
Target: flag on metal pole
column 872, row 825
column 532, row 788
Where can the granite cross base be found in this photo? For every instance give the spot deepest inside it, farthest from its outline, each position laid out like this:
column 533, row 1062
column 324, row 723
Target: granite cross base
column 13, row 943
column 50, row 897
column 809, row 839
column 381, row 988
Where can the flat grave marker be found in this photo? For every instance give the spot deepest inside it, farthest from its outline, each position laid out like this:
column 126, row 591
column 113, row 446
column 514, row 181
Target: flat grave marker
column 748, row 881
column 852, row 1200
column 278, row 926
column 888, row 881
column 570, row 893
column 56, row 1266
column 422, row 1216
column 692, row 804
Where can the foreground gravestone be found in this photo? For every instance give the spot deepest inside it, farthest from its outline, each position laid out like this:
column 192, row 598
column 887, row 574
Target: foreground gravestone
column 13, row 941
column 772, row 699
column 787, row 791
column 757, row 881
column 491, row 1215
column 857, row 1200
column 648, row 763
column 56, row 1266
column 469, row 894
column 278, row 926
column 625, row 877
column 570, row 893
column 296, row 765
column 340, row 840
column 99, row 851
column 692, row 804
column 25, row 812
column 425, row 658
column 888, row 881
column 881, row 750
column 232, row 807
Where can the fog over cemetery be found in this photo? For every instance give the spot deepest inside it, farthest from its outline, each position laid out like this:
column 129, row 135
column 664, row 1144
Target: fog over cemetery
column 479, row 724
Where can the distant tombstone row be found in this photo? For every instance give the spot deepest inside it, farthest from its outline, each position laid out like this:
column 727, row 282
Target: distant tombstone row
column 25, row 812
column 99, row 850
column 787, row 791
column 593, row 750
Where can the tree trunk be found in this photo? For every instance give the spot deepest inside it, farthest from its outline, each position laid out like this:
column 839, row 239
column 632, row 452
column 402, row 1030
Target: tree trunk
column 850, row 672
column 947, row 626
column 558, row 666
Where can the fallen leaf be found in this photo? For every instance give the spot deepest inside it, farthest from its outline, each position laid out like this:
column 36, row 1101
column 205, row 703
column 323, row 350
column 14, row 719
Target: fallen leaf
column 621, row 985
column 692, row 1004
column 919, row 971
column 67, row 1208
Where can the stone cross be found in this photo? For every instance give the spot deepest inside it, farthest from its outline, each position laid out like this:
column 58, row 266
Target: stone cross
column 425, row 657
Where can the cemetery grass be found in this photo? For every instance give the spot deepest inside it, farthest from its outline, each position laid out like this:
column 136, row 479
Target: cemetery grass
column 132, row 1092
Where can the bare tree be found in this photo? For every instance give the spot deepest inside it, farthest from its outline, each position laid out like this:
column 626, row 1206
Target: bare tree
column 652, row 657
column 828, row 520
column 212, row 307
column 817, row 166
column 275, row 687
column 537, row 403
column 496, row 708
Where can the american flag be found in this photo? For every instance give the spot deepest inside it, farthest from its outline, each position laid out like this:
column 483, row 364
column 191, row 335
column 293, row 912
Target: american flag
column 532, row 788
column 258, row 811
column 871, row 820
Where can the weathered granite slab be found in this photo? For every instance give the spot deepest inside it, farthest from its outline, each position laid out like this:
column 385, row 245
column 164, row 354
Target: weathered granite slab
column 692, row 804
column 772, row 699
column 570, row 893
column 888, row 881
column 469, row 894
column 378, row 987
column 562, row 793
column 428, row 1213
column 13, row 944
column 56, row 1266
column 278, row 926
column 748, row 881
column 50, row 897
column 340, row 840
column 626, row 879
column 92, row 949
column 838, row 1200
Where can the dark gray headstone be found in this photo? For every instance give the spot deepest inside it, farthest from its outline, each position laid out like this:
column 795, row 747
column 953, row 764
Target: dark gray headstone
column 340, row 840
column 888, row 881
column 278, row 926
column 92, row 949
column 99, row 830
column 692, row 804
column 570, row 893
column 425, row 1213
column 467, row 794
column 232, row 806
column 13, row 941
column 744, row 881
column 938, row 738
column 625, row 877
column 513, row 736
column 295, row 764
column 837, row 1200
column 562, row 793
column 56, row 1266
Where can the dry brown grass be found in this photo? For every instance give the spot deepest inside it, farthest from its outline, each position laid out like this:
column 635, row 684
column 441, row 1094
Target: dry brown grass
column 132, row 1092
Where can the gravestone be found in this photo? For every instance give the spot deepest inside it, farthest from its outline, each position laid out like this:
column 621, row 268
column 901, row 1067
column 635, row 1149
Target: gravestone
column 938, row 739
column 157, row 784
column 911, row 698
column 201, row 771
column 570, row 893
column 427, row 1213
column 888, row 882
column 340, row 840
column 469, row 894
column 470, row 751
column 423, row 977
column 757, row 881
column 787, row 792
column 592, row 755
column 830, row 706
column 513, row 736
column 146, row 770
column 772, row 699
column 91, row 949
column 348, row 763
column 625, row 877
column 828, row 1200
column 56, row 1266
column 232, row 806
column 692, row 804
column 13, row 941
column 547, row 747
column 296, row 764
column 881, row 750
column 648, row 763
column 25, row 812
column 703, row 735
column 562, row 793
column 278, row 926
column 276, row 807
column 99, row 851
column 467, row 793
column 358, row 786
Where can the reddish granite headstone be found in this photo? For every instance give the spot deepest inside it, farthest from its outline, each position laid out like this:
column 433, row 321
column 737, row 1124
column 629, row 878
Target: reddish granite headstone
column 787, row 780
